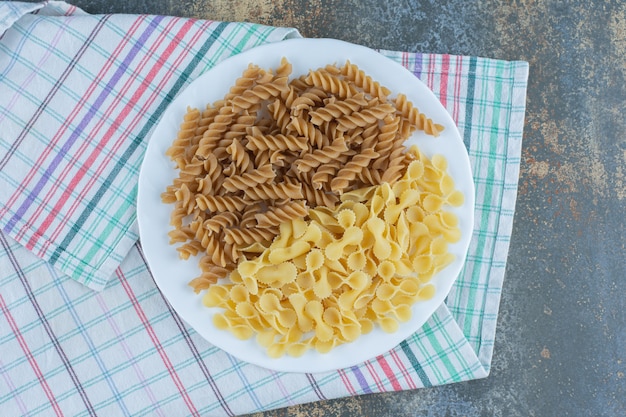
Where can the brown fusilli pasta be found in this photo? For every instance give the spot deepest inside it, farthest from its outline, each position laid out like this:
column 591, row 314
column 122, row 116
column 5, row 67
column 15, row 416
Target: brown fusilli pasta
column 276, row 215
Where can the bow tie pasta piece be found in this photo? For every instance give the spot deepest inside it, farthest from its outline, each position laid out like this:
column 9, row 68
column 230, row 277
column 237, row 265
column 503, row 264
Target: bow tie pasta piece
column 315, row 310
column 345, row 323
column 314, row 260
column 379, row 229
column 352, row 236
column 322, row 288
column 280, row 255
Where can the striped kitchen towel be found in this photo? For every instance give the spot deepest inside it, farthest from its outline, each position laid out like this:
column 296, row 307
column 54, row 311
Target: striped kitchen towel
column 78, row 97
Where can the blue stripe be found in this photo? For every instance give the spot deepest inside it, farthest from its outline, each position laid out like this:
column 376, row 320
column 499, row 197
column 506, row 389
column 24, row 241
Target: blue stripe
column 415, row 364
column 469, row 101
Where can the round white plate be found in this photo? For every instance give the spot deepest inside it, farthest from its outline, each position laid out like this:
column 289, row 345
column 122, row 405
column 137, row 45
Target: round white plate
column 172, row 274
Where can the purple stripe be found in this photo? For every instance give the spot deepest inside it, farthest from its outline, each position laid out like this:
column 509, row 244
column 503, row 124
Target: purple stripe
column 361, row 378
column 11, row 385
column 417, row 71
column 316, row 387
column 30, row 198
column 46, row 325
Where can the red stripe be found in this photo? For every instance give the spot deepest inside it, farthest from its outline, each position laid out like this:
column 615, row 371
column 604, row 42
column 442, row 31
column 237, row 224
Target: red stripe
column 157, row 343
column 79, row 106
column 29, row 356
column 405, row 373
column 122, row 136
column 67, row 189
column 389, row 373
column 443, row 83
column 429, row 71
column 457, row 89
column 375, row 376
column 346, row 382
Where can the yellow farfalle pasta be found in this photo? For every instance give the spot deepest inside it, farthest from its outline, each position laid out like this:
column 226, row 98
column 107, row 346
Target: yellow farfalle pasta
column 337, row 273
column 296, row 190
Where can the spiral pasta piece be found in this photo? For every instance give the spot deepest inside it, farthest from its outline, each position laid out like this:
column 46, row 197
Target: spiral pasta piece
column 352, row 169
column 309, row 99
column 276, row 142
column 280, row 113
column 185, row 198
column 221, row 221
column 323, row 174
column 276, row 191
column 185, row 136
column 255, row 95
column 365, row 117
column 308, row 130
column 214, row 132
column 370, row 177
column 248, row 218
column 246, row 237
column 360, row 79
column 244, row 82
column 283, row 71
column 240, row 157
column 221, row 254
column 397, row 165
column 322, row 155
column 328, row 82
column 337, row 109
column 211, row 273
column 317, row 197
column 416, row 119
column 276, row 215
column 246, row 180
column 389, row 139
column 220, row 203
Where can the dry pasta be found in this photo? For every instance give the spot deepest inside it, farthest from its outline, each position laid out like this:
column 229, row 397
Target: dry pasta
column 327, row 279
column 302, row 193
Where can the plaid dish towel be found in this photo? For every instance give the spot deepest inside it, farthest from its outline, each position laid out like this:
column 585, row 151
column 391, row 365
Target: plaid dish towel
column 79, row 95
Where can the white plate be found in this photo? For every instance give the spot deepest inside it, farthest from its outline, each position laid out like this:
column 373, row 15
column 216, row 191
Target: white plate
column 172, row 274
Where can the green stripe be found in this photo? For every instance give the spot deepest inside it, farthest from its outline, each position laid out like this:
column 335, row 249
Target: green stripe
column 443, row 357
column 137, row 140
column 127, row 204
column 467, row 141
column 415, row 364
column 469, row 101
column 487, row 197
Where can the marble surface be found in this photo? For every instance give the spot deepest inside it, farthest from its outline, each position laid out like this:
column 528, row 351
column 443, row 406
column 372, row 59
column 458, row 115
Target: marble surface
column 561, row 339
